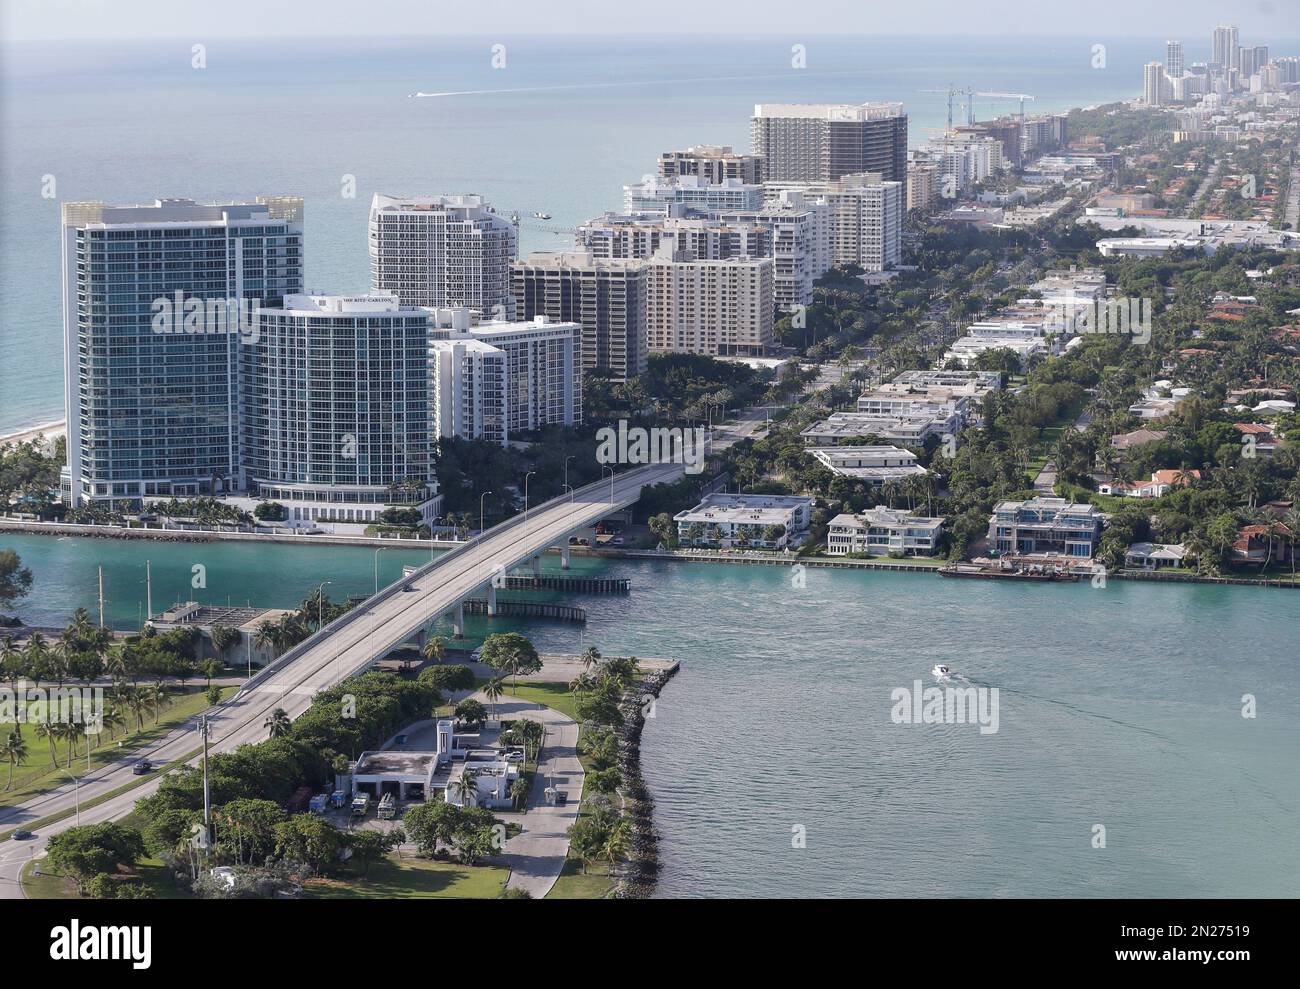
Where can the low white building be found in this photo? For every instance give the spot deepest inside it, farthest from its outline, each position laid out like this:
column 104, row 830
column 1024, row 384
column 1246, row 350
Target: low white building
column 883, row 532
column 724, row 518
column 1153, row 556
column 912, row 428
column 874, row 464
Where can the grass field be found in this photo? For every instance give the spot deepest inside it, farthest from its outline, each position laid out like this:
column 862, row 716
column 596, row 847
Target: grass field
column 53, row 886
column 553, row 695
column 39, row 773
column 573, row 885
column 414, row 878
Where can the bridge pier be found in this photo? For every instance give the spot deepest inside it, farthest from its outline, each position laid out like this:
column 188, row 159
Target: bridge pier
column 564, row 555
column 458, row 622
column 491, row 599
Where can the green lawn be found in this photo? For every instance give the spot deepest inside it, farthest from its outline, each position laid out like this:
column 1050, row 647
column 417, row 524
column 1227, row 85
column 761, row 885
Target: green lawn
column 414, row 878
column 54, row 886
column 39, row 773
column 553, row 695
column 573, row 885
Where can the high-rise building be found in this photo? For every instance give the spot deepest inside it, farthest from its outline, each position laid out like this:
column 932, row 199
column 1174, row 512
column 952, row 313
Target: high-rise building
column 638, row 235
column 1174, row 59
column 922, row 184
column 808, row 142
column 156, row 306
column 498, row 379
column 1224, row 46
column 442, row 251
column 606, row 296
column 866, row 217
column 1153, row 84
column 719, row 308
column 711, row 163
column 1008, row 132
column 693, row 194
column 798, row 242
column 335, row 408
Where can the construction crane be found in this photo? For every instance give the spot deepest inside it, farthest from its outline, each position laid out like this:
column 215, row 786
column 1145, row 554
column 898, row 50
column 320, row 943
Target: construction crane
column 1013, row 96
column 515, row 218
column 952, row 91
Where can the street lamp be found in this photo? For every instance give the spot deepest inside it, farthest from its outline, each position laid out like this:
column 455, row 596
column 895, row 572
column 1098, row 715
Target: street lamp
column 608, row 467
column 320, row 602
column 377, row 552
column 526, row 477
column 480, row 512
column 566, row 468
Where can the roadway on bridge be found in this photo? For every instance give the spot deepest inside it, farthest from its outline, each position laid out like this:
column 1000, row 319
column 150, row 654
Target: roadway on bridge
column 341, row 649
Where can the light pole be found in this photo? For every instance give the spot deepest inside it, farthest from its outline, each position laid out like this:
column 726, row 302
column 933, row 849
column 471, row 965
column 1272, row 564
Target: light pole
column 566, row 468
column 607, row 467
column 377, row 552
column 76, row 792
column 207, row 801
column 480, row 512
column 320, row 602
column 526, row 477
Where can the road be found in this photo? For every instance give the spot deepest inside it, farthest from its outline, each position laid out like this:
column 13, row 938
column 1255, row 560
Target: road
column 336, row 652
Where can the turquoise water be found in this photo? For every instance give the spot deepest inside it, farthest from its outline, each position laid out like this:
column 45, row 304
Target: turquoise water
column 1119, row 707
column 560, row 130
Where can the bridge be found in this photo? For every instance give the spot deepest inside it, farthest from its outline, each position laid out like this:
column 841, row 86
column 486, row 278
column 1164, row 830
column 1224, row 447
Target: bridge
column 398, row 613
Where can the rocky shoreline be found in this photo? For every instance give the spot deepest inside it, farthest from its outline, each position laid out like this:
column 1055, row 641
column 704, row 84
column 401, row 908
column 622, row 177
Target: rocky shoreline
column 642, row 870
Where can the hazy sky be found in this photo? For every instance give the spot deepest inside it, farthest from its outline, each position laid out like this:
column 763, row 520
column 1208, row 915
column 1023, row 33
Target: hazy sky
column 24, row 20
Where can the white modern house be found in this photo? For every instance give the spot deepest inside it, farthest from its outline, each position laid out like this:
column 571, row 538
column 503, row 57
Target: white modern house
column 883, row 532
column 909, row 428
column 725, row 518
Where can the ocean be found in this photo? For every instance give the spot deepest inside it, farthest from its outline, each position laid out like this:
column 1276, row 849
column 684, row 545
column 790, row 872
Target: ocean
column 558, row 129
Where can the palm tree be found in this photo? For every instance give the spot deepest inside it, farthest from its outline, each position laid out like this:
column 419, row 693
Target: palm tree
column 277, row 723
column 265, row 637
column 614, row 847
column 157, row 698
column 112, row 720
column 13, row 666
column 465, row 789
column 49, row 732
column 493, row 690
column 435, row 649
column 590, row 657
column 135, row 700
column 519, row 791
column 16, row 752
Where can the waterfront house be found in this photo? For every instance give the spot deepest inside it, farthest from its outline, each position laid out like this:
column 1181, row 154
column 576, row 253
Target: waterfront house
column 882, row 532
column 1153, row 556
column 760, row 521
column 1045, row 526
column 1262, row 544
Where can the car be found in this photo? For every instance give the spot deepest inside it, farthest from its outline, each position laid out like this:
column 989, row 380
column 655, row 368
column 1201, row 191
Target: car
column 561, row 798
column 142, row 767
column 476, row 655
column 22, row 834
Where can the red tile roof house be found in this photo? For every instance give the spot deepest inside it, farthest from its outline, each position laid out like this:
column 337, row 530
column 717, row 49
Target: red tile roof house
column 1160, row 484
column 1260, row 543
column 1262, row 440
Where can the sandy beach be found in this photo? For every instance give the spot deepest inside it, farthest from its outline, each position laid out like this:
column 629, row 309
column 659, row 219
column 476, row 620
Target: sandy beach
column 49, row 430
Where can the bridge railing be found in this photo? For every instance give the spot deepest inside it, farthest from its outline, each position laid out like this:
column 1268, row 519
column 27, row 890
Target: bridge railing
column 357, row 612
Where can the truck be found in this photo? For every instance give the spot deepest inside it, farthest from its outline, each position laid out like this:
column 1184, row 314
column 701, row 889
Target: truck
column 387, row 807
column 360, row 804
column 338, row 799
column 319, row 803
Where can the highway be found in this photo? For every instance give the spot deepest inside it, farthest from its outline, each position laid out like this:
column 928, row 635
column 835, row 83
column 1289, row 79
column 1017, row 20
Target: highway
column 336, row 652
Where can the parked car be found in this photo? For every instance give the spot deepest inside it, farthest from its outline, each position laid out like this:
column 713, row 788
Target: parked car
column 142, row 767
column 561, row 798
